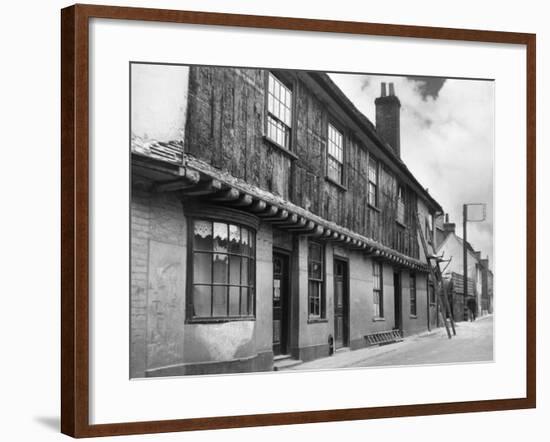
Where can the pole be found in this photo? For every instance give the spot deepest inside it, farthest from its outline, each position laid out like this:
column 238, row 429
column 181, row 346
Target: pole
column 465, row 254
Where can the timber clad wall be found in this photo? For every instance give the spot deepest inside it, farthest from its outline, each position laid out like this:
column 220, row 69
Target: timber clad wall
column 225, row 128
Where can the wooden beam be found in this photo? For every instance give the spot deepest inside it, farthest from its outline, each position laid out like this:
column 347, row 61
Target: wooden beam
column 317, row 232
column 307, row 228
column 188, row 178
column 243, row 201
column 204, row 188
column 290, row 221
column 298, row 224
column 226, row 195
column 268, row 212
column 258, row 206
column 281, row 215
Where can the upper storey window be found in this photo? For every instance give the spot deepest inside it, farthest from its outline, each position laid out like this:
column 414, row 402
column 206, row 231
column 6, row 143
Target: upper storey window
column 400, row 205
column 279, row 112
column 373, row 182
column 335, row 157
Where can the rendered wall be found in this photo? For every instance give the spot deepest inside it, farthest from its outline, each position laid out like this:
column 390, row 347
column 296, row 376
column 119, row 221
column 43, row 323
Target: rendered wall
column 161, row 341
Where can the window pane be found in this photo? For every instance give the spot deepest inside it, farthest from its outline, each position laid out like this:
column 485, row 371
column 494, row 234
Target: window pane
column 220, row 237
column 234, row 301
column 244, row 241
column 235, row 270
column 202, row 268
column 372, row 194
column 314, row 252
column 202, row 235
column 220, row 301
column 234, row 239
column 251, row 300
column 251, row 272
column 220, row 268
column 373, row 171
column 315, row 270
column 244, row 302
column 244, row 272
column 202, row 298
column 252, row 244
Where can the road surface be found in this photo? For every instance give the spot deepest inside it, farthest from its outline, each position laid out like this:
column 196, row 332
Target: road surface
column 473, row 343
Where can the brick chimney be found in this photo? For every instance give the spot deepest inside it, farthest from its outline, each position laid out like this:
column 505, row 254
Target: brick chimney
column 388, row 108
column 449, row 227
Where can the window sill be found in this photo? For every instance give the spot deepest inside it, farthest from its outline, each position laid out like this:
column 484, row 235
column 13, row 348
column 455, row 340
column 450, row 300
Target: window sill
column 316, row 320
column 374, row 207
column 336, row 183
column 280, row 148
column 219, row 320
column 413, row 316
column 378, row 319
column 399, row 223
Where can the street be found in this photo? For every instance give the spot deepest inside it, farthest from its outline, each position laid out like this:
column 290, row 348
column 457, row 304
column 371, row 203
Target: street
column 473, row 343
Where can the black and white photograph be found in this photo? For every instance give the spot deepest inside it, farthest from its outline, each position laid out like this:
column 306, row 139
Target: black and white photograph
column 286, row 220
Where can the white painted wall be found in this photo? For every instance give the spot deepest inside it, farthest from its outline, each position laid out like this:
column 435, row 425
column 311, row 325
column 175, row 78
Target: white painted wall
column 159, row 101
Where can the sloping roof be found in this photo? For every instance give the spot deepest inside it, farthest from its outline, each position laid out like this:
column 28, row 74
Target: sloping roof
column 459, row 239
column 369, row 128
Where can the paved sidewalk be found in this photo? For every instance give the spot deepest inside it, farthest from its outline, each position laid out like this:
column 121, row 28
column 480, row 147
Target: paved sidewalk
column 473, row 343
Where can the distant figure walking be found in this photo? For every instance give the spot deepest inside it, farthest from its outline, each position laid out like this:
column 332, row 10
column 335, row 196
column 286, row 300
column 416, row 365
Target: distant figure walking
column 472, row 308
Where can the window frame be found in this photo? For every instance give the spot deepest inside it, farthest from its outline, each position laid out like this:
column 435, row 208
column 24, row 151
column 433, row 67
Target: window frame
column 322, row 316
column 290, row 86
column 228, row 216
column 380, row 290
column 401, row 202
column 376, row 184
column 328, row 156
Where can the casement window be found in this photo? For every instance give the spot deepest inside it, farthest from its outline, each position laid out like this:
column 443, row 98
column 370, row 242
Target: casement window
column 335, row 155
column 400, row 205
column 315, row 274
column 373, row 182
column 412, row 293
column 222, row 270
column 377, row 292
column 279, row 112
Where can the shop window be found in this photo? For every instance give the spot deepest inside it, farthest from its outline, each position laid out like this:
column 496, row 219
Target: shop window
column 222, row 270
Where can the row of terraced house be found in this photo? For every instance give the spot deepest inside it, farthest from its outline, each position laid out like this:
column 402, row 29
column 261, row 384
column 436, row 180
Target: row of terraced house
column 270, row 219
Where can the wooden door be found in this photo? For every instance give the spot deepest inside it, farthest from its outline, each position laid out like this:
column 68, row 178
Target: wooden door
column 341, row 301
column 397, row 302
column 280, row 303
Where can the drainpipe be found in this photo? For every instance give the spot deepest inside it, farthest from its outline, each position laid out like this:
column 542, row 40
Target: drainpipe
column 428, row 301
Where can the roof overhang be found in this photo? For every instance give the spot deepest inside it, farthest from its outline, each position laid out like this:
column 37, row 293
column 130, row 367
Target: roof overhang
column 194, row 177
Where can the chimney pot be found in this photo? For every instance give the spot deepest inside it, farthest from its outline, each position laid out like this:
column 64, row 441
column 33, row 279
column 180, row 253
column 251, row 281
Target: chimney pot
column 449, row 227
column 446, row 217
column 383, row 89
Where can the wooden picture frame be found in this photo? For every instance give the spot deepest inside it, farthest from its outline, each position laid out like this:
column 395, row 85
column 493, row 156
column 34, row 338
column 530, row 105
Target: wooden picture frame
column 75, row 247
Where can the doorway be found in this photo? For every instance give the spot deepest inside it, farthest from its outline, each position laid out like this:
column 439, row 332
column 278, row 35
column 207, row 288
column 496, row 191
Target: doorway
column 341, row 304
column 280, row 303
column 397, row 302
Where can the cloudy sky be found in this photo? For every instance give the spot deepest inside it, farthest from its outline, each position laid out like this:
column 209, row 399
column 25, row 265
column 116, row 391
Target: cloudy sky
column 447, row 140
